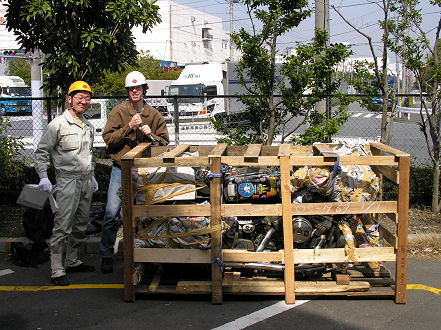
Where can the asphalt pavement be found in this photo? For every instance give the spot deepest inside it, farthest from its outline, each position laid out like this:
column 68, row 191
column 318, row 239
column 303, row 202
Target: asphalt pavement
column 95, row 301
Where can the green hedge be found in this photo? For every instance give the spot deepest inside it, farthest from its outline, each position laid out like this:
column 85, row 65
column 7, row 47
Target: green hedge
column 420, row 188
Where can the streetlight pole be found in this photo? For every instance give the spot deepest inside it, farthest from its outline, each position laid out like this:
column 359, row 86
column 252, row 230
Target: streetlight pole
column 231, row 29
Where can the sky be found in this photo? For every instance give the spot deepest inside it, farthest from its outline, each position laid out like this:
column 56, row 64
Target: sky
column 364, row 14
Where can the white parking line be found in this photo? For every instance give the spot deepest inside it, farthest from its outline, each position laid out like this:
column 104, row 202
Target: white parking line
column 19, row 118
column 6, row 272
column 357, row 115
column 368, row 115
column 379, row 116
column 265, row 313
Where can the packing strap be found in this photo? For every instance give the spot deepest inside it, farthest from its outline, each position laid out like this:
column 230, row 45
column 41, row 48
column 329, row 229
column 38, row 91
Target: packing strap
column 152, row 188
column 143, row 233
column 334, row 170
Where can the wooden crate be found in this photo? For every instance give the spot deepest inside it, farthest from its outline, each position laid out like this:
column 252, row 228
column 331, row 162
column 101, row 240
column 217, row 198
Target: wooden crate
column 386, row 161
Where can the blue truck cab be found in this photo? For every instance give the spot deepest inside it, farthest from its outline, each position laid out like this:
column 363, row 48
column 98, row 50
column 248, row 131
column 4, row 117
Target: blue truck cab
column 20, row 102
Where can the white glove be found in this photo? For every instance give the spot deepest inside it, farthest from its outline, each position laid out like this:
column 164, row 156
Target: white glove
column 45, row 185
column 94, row 184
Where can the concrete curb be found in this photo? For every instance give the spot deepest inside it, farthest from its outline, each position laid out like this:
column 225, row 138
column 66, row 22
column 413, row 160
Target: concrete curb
column 91, row 246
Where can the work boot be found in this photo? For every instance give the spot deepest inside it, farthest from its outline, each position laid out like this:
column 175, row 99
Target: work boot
column 60, row 280
column 93, row 227
column 107, row 265
column 80, row 268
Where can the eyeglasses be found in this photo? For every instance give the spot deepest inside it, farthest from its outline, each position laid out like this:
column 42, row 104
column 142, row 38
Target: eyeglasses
column 82, row 99
column 136, row 88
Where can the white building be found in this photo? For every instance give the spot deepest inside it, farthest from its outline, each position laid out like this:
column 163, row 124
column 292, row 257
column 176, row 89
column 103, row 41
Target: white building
column 185, row 35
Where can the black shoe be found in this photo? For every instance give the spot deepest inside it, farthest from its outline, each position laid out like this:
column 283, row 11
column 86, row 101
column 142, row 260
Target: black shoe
column 93, row 227
column 107, row 265
column 60, row 281
column 80, row 268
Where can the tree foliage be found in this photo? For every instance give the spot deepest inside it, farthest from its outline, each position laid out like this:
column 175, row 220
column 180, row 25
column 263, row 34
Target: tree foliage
column 20, row 67
column 277, row 92
column 417, row 51
column 10, row 147
column 112, row 83
column 80, row 38
column 373, row 78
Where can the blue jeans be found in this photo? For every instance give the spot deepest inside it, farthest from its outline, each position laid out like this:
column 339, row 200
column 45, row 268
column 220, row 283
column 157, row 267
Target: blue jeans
column 111, row 215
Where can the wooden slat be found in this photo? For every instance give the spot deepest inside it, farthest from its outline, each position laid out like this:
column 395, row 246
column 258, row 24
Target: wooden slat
column 137, row 151
column 156, row 279
column 184, row 210
column 240, row 161
column 170, row 156
column 323, row 147
column 392, row 216
column 218, row 150
column 403, row 214
column 245, row 256
column 344, row 160
column 161, row 255
column 252, row 153
column 388, row 172
column 385, row 148
column 344, row 208
column 216, row 237
column 390, row 238
column 284, row 150
column 271, row 287
column 179, row 161
column 229, row 277
column 244, row 210
column 127, row 215
column 338, row 255
column 287, row 230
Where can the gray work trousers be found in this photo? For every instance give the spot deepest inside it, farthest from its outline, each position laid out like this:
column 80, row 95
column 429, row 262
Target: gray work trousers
column 73, row 196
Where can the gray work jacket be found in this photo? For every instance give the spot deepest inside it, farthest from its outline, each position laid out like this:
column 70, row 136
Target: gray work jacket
column 68, row 146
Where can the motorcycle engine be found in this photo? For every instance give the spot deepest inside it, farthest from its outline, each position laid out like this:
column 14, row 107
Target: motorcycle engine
column 312, row 231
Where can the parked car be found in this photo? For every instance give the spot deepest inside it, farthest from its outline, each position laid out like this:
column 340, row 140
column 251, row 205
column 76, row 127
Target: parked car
column 378, row 101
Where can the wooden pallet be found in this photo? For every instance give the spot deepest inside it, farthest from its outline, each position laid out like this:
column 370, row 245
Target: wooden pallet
column 360, row 281
column 386, row 161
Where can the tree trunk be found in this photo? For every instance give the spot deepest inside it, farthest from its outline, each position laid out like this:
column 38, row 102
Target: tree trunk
column 435, row 186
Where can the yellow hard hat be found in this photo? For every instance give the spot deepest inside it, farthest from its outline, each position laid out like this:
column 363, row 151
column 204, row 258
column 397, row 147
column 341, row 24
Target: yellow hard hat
column 80, row 86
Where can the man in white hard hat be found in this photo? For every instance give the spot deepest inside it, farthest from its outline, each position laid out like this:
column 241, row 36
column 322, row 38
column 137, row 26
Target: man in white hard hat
column 128, row 124
column 67, row 142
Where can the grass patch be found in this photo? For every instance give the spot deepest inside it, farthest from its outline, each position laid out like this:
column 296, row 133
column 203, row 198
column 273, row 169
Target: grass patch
column 426, row 244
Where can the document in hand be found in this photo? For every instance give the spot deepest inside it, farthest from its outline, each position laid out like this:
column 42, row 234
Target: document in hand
column 32, row 196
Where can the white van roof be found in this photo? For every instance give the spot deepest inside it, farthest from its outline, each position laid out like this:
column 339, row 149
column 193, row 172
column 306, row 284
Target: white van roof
column 12, row 81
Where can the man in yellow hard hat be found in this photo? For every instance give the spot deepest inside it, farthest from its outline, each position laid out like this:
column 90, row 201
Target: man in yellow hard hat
column 67, row 142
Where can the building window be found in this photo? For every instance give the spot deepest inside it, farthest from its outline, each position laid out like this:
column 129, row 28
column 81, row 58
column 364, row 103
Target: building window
column 206, row 36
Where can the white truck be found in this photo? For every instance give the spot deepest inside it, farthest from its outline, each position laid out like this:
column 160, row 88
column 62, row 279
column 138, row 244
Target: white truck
column 201, row 83
column 158, row 88
column 14, row 87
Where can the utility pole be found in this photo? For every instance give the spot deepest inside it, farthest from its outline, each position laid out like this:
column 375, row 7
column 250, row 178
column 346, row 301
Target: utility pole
column 231, row 28
column 322, row 23
column 38, row 124
column 170, row 31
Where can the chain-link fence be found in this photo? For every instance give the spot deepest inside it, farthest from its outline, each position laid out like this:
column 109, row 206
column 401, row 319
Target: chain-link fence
column 188, row 121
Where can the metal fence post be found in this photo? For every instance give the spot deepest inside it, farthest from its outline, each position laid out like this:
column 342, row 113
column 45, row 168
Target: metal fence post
column 176, row 117
column 49, row 110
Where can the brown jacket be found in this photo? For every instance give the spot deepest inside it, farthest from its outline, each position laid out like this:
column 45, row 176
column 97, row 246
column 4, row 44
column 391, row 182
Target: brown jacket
column 120, row 138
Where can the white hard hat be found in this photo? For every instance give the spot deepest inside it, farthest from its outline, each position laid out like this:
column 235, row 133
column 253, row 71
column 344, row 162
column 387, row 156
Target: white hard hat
column 135, row 78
